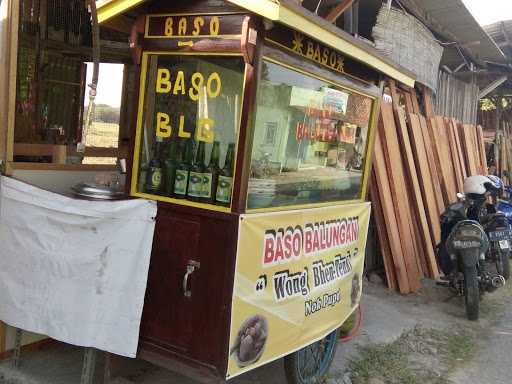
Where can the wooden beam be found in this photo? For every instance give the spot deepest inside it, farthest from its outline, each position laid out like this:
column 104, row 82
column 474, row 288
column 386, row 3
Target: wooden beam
column 338, row 10
column 492, row 87
column 119, row 23
column 13, row 19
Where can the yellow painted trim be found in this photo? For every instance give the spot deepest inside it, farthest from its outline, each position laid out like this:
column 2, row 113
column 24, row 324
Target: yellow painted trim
column 139, row 128
column 315, row 62
column 310, row 74
column 266, row 8
column 272, row 10
column 372, row 133
column 186, row 203
column 138, row 131
column 304, row 206
column 288, row 17
column 110, row 9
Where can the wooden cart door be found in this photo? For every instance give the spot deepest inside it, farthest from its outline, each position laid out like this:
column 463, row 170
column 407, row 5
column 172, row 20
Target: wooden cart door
column 169, row 308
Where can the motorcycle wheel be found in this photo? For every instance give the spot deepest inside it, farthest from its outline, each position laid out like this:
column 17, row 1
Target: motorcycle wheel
column 471, row 293
column 310, row 364
column 503, row 263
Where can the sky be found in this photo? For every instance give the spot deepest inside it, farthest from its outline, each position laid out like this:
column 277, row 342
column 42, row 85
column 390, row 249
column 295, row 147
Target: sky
column 489, row 11
column 110, row 84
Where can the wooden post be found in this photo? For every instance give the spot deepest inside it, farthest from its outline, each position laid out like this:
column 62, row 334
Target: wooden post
column 13, row 23
column 3, row 332
column 59, row 154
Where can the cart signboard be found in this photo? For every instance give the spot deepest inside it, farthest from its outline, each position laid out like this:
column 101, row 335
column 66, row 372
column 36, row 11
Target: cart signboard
column 298, row 278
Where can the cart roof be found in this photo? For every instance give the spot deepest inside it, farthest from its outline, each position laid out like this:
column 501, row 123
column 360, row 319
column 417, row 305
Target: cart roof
column 296, row 17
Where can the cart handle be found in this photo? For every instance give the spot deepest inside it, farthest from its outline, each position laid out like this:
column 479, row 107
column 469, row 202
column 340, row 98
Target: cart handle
column 191, row 267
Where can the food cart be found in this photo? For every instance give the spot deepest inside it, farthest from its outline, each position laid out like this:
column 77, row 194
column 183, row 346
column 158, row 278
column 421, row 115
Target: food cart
column 253, row 128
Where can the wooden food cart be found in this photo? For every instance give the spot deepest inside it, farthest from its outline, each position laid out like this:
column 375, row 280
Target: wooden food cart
column 253, row 125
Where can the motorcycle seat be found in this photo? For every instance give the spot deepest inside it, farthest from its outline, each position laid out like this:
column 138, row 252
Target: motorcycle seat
column 488, row 218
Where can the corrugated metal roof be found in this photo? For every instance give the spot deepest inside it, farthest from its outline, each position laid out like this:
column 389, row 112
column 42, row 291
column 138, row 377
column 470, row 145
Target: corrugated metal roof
column 501, row 32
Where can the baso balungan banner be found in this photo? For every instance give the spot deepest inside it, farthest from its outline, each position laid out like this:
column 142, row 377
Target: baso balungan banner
column 298, row 278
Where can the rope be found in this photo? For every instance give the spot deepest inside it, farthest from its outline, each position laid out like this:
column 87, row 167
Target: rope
column 355, row 331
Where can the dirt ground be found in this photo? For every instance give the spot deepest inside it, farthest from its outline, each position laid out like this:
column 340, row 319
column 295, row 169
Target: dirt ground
column 422, row 338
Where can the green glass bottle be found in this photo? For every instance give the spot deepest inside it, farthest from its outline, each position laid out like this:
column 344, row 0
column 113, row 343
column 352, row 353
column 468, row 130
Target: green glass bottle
column 225, row 182
column 171, row 164
column 183, row 169
column 211, row 175
column 153, row 183
column 195, row 178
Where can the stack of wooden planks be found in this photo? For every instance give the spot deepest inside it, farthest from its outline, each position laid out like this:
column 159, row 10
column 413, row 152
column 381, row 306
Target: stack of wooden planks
column 420, row 163
column 502, row 152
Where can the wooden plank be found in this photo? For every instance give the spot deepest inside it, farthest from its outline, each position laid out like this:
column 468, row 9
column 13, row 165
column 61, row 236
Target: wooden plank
column 475, row 155
column 438, row 158
column 432, row 165
column 442, row 142
column 61, row 167
column 458, row 161
column 338, row 10
column 427, row 102
column 400, row 195
column 481, row 147
column 391, row 222
column 414, row 98
column 382, row 235
column 418, row 202
column 395, row 97
column 467, row 148
column 424, row 175
column 408, row 102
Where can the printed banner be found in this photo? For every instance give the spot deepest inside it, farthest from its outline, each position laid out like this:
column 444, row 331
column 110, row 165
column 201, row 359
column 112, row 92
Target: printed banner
column 298, row 277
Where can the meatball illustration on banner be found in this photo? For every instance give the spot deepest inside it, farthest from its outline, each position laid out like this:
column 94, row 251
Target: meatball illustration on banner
column 250, row 341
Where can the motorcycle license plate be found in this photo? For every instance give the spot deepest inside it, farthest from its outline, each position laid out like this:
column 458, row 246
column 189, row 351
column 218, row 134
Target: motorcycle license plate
column 504, row 244
column 466, row 244
column 500, row 235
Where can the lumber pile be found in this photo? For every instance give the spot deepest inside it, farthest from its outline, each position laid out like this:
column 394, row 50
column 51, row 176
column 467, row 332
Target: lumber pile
column 420, row 163
column 502, row 153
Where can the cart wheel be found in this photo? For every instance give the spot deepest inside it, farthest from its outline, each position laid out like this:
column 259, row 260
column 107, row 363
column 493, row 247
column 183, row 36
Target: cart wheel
column 310, row 364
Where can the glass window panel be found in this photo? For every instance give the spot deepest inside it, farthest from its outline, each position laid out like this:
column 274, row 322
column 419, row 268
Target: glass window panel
column 310, row 140
column 190, row 123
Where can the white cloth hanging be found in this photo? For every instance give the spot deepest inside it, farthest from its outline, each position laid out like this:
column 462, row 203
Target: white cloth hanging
column 74, row 270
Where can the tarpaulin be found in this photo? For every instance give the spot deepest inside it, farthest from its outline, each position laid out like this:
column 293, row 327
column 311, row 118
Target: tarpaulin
column 74, row 270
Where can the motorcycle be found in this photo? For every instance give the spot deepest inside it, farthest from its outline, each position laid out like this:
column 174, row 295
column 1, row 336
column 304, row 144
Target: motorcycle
column 505, row 206
column 498, row 230
column 461, row 256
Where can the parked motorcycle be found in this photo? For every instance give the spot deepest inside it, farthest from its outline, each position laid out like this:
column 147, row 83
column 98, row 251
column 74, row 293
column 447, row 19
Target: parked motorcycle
column 505, row 205
column 494, row 222
column 465, row 248
column 461, row 256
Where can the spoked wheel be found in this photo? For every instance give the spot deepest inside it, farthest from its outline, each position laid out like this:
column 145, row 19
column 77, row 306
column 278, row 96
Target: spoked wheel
column 310, row 364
